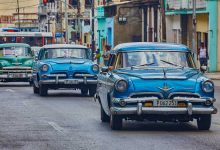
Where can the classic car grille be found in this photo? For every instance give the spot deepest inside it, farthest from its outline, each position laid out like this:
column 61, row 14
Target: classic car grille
column 187, row 95
column 81, row 75
column 61, row 75
column 16, row 70
column 161, row 96
column 146, row 94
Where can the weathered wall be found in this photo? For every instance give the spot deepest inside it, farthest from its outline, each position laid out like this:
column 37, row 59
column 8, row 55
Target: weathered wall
column 132, row 29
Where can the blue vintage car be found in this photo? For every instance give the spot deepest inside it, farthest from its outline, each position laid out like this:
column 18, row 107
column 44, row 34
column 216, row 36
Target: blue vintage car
column 65, row 66
column 155, row 82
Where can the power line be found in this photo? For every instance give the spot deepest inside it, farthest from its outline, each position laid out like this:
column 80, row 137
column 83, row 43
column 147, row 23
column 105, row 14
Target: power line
column 20, row 7
column 14, row 2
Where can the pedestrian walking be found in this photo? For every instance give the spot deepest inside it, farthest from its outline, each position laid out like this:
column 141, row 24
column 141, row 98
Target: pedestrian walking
column 106, row 54
column 203, row 55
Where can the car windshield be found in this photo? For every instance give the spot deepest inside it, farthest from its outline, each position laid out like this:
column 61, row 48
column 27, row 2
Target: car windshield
column 15, row 51
column 64, row 53
column 156, row 59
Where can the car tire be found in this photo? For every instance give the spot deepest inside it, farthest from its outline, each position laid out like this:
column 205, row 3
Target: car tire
column 43, row 90
column 84, row 91
column 115, row 122
column 92, row 91
column 35, row 89
column 104, row 116
column 204, row 122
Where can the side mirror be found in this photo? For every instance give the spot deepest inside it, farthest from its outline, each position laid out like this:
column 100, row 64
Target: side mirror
column 104, row 69
column 203, row 68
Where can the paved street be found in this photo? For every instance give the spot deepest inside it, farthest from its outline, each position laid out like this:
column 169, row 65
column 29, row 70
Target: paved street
column 65, row 120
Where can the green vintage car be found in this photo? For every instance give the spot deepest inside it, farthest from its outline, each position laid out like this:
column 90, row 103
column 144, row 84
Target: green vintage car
column 16, row 60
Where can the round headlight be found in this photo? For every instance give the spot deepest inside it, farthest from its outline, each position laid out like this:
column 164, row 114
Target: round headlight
column 208, row 86
column 45, row 68
column 95, row 68
column 121, row 85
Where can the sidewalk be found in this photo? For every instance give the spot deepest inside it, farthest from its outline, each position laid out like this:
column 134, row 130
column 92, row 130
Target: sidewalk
column 213, row 75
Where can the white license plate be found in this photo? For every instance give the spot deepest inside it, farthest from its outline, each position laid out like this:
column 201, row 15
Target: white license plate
column 165, row 103
column 17, row 75
column 71, row 82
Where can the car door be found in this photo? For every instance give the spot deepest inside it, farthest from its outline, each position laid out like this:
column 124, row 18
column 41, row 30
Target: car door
column 105, row 84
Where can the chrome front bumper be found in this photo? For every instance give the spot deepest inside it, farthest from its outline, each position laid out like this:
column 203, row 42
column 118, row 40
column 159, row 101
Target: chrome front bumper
column 57, row 80
column 11, row 76
column 68, row 81
column 141, row 110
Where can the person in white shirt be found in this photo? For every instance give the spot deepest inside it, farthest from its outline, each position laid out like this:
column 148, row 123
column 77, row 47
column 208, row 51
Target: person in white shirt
column 203, row 55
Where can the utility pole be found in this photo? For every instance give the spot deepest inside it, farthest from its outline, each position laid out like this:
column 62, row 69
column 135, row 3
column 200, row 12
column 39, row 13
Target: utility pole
column 194, row 30
column 164, row 36
column 66, row 23
column 19, row 23
column 93, row 28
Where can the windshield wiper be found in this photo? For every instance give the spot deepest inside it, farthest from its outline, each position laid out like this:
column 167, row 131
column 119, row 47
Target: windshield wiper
column 143, row 65
column 170, row 63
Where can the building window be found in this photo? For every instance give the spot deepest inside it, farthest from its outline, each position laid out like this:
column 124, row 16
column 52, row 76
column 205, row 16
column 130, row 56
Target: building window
column 73, row 3
column 88, row 3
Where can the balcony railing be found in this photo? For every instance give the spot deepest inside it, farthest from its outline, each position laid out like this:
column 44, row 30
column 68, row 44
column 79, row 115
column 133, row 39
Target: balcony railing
column 185, row 4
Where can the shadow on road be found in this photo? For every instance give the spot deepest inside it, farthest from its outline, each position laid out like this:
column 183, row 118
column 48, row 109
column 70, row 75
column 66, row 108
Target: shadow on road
column 14, row 84
column 152, row 126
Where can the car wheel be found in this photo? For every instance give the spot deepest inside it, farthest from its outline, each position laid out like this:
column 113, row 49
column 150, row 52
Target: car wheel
column 92, row 91
column 35, row 89
column 43, row 90
column 84, row 91
column 204, row 122
column 115, row 122
column 104, row 116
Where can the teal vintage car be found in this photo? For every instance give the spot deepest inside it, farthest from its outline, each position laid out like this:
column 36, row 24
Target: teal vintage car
column 16, row 60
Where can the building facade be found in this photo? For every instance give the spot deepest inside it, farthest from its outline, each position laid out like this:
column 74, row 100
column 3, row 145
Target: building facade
column 26, row 19
column 179, row 25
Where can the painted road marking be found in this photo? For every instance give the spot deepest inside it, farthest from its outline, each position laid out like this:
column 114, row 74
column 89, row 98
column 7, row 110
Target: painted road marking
column 10, row 90
column 56, row 127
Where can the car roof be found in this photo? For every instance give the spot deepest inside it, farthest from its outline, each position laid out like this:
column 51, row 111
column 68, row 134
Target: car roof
column 143, row 46
column 63, row 46
column 14, row 44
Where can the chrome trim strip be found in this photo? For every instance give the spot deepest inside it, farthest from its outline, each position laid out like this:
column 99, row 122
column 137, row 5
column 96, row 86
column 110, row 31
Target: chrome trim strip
column 148, row 93
column 151, row 99
column 16, row 68
column 83, row 75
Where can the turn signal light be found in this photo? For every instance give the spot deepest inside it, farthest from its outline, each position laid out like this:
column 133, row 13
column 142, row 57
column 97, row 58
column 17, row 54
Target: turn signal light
column 181, row 105
column 148, row 104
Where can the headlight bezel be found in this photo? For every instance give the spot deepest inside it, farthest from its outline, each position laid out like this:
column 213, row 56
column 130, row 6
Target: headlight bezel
column 121, row 81
column 44, row 68
column 204, row 88
column 95, row 68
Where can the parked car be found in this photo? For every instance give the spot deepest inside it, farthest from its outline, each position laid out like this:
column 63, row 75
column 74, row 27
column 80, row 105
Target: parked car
column 16, row 62
column 65, row 66
column 155, row 82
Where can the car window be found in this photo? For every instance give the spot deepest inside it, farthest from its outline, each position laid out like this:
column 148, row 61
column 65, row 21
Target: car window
column 78, row 53
column 157, row 59
column 15, row 51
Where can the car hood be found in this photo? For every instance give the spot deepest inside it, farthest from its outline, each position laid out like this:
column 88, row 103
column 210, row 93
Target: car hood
column 165, row 80
column 61, row 64
column 16, row 61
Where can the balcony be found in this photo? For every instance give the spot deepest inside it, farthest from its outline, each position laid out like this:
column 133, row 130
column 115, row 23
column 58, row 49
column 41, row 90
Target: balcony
column 172, row 5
